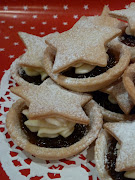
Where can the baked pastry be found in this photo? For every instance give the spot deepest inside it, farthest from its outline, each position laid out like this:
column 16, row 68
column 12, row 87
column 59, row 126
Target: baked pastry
column 129, row 80
column 115, row 102
column 114, row 151
column 100, row 76
column 28, row 67
column 51, row 123
column 81, row 68
column 128, row 37
column 104, row 19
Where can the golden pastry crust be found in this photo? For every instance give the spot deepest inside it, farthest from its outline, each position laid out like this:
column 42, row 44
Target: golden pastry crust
column 51, row 100
column 128, row 80
column 121, row 96
column 127, row 15
column 104, row 19
column 32, row 58
column 14, row 70
column 100, row 152
column 93, row 83
column 124, row 133
column 15, row 131
column 110, row 116
column 80, row 45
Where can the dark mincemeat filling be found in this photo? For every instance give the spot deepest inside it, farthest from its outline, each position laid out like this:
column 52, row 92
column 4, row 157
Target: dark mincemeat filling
column 102, row 99
column 127, row 40
column 79, row 132
column 31, row 79
column 112, row 61
column 111, row 162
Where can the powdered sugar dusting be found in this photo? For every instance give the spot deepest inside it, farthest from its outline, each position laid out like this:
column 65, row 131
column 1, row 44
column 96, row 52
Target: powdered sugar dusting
column 126, row 14
column 51, row 100
column 36, row 47
column 125, row 133
column 119, row 92
column 89, row 41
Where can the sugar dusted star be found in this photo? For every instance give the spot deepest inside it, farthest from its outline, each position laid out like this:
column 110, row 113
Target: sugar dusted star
column 51, row 100
column 127, row 15
column 119, row 93
column 103, row 20
column 85, row 43
column 124, row 132
column 35, row 49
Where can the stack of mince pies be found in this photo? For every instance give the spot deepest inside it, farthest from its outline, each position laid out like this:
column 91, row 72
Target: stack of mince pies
column 76, row 87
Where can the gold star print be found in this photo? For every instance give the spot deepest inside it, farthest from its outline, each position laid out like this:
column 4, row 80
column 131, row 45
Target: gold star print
column 118, row 92
column 81, row 45
column 124, row 133
column 35, row 49
column 126, row 14
column 51, row 100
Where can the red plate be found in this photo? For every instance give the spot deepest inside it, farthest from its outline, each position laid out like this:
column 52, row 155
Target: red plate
column 41, row 18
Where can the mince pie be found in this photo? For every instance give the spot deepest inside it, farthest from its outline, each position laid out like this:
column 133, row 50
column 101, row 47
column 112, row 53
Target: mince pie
column 115, row 102
column 114, row 151
column 128, row 36
column 84, row 60
column 28, row 67
column 52, row 122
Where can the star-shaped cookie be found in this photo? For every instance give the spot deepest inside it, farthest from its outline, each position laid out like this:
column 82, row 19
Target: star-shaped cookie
column 51, row 100
column 35, row 49
column 126, row 14
column 81, row 45
column 124, row 132
column 105, row 19
column 119, row 93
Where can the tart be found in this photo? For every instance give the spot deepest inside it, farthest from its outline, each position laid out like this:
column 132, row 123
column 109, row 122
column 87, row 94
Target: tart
column 115, row 102
column 28, row 67
column 114, row 151
column 128, row 36
column 97, row 77
column 81, row 68
column 51, row 122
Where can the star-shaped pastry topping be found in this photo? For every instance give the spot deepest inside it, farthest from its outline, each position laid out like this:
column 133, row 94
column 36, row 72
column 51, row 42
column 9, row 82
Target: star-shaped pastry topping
column 126, row 14
column 81, row 45
column 119, row 93
column 35, row 49
column 104, row 19
column 124, row 133
column 51, row 100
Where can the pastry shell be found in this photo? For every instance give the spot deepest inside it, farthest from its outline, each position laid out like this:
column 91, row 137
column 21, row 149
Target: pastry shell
column 101, row 147
column 16, row 133
column 110, row 116
column 91, row 83
column 14, row 70
column 128, row 78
